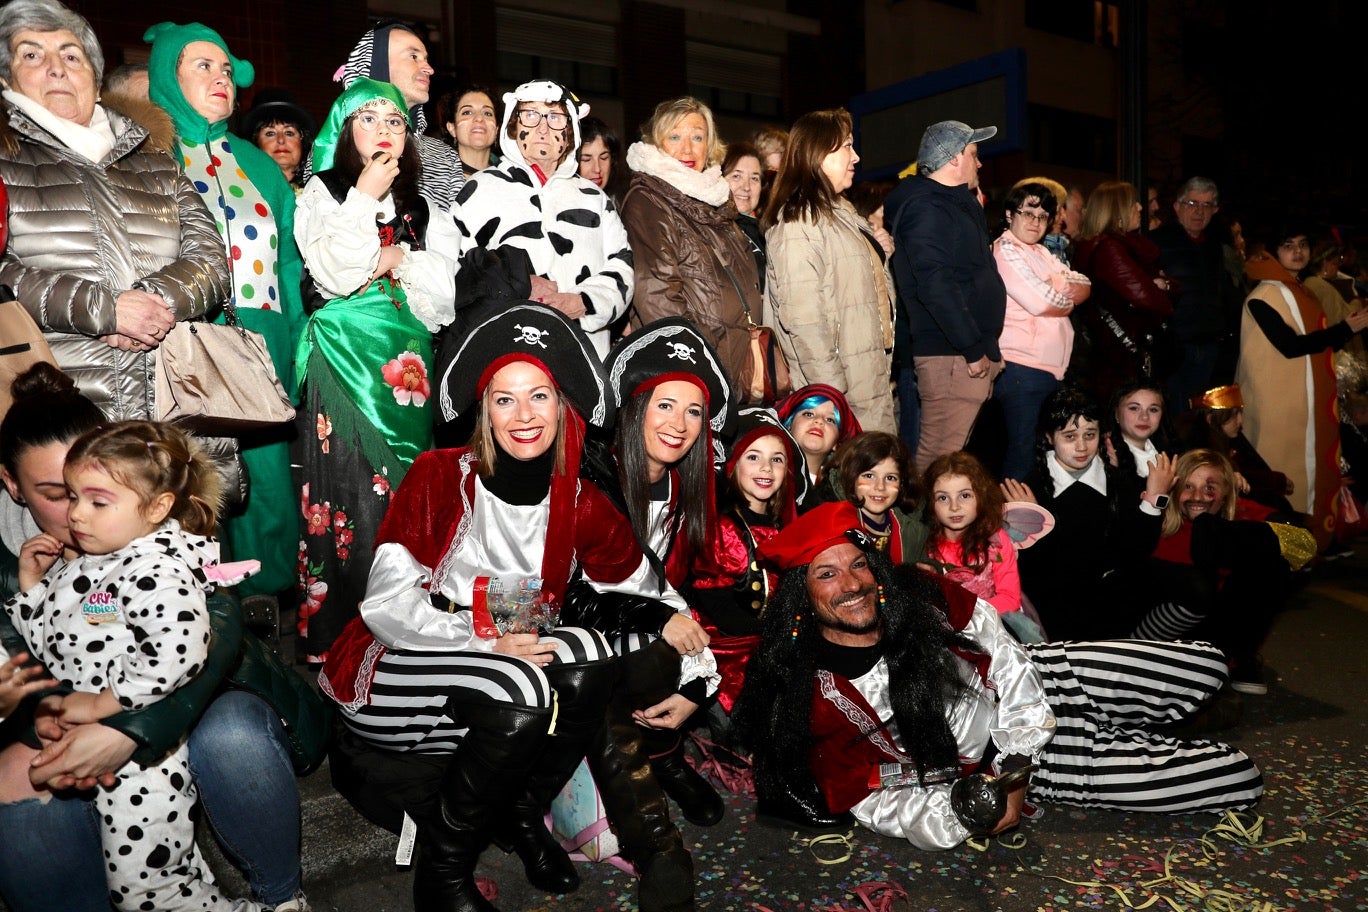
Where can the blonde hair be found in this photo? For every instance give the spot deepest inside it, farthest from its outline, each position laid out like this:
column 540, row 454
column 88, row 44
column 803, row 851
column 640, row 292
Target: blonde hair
column 669, row 113
column 1055, row 187
column 1109, row 208
column 1188, row 463
column 152, row 459
column 770, row 140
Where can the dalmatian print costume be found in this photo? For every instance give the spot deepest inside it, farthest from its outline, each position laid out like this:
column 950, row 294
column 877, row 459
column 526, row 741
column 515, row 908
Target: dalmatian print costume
column 135, row 621
column 569, row 227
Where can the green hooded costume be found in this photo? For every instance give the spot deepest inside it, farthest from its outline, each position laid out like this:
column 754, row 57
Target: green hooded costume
column 253, row 207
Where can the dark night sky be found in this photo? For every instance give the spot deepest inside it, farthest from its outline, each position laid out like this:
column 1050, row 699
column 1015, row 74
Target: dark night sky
column 1292, row 78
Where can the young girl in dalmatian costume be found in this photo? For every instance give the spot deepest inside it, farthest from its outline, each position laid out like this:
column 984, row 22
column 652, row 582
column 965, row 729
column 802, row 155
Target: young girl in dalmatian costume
column 125, row 624
column 535, row 200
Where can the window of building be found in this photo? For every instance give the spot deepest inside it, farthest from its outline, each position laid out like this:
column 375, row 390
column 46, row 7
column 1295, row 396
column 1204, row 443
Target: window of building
column 735, row 81
column 1059, row 137
column 1094, row 21
column 580, row 55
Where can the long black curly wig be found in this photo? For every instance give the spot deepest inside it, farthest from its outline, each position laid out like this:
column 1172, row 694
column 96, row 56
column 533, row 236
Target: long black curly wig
column 774, row 713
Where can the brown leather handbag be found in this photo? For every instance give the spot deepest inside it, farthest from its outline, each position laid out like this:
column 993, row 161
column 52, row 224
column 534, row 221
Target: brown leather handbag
column 218, row 379
column 21, row 344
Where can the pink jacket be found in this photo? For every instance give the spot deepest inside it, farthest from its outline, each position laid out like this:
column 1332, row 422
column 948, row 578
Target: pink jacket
column 1041, row 292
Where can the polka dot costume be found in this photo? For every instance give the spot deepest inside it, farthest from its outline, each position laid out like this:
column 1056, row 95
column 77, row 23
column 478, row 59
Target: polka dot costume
column 134, row 621
column 244, row 221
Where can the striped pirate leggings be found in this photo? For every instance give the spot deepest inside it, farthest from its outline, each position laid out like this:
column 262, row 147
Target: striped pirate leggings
column 1106, row 696
column 416, row 697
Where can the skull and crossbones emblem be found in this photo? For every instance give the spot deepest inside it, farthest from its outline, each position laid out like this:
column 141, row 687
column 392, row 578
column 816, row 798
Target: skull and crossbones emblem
column 530, row 335
column 681, row 351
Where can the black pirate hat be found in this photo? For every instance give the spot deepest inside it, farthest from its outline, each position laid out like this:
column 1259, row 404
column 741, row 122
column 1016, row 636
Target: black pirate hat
column 754, row 422
column 536, row 334
column 672, row 349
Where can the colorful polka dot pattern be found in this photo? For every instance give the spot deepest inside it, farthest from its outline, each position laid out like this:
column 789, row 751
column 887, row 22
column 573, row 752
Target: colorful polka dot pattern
column 244, row 220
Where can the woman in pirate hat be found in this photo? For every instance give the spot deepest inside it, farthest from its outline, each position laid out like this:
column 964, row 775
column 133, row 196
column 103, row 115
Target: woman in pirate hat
column 433, row 666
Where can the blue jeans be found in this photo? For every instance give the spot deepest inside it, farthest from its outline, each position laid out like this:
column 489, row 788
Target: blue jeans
column 247, row 788
column 51, row 856
column 1193, row 377
column 1020, row 392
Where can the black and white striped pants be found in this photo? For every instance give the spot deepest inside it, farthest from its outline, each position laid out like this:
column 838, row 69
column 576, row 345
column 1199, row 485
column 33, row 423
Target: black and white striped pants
column 1105, row 696
column 416, row 697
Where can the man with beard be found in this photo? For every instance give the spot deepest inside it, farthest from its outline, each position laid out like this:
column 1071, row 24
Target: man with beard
column 876, row 690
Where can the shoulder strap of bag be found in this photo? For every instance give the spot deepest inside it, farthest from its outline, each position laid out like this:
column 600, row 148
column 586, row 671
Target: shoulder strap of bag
column 745, row 302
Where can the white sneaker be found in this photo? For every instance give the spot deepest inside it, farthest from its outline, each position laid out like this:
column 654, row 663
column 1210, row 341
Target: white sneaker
column 297, row 903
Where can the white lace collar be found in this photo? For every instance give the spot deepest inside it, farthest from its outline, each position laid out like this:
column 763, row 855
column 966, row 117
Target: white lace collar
column 1094, row 476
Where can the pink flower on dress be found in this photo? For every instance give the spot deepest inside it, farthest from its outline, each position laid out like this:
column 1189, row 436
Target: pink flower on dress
column 345, row 537
column 339, row 520
column 315, row 594
column 324, row 428
column 408, row 375
column 380, row 484
column 343, row 554
column 316, row 518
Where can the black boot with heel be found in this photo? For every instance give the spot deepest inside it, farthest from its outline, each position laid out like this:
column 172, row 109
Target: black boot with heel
column 479, row 784
column 582, row 693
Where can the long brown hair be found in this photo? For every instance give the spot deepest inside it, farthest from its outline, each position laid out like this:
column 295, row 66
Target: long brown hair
column 801, row 190
column 978, row 538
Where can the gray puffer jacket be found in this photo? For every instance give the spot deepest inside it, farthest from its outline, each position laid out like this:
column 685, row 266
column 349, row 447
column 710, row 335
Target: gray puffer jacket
column 81, row 233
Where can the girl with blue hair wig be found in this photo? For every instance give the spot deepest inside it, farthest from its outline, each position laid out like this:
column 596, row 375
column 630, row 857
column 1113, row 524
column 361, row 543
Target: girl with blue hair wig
column 820, row 419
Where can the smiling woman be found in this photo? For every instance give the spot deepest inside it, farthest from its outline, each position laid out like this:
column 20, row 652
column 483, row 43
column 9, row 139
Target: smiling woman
column 411, row 681
column 828, row 280
column 138, row 249
column 691, row 258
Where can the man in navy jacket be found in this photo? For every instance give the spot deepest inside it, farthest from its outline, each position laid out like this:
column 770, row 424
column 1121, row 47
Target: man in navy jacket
column 948, row 285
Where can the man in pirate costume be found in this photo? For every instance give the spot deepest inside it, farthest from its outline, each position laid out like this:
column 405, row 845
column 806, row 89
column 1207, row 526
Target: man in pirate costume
column 881, row 691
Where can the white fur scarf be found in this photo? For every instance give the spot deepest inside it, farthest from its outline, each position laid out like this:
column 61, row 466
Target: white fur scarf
column 706, row 186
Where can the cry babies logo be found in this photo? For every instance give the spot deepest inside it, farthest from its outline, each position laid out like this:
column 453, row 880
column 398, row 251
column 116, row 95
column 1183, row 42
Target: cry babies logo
column 530, row 335
column 100, row 608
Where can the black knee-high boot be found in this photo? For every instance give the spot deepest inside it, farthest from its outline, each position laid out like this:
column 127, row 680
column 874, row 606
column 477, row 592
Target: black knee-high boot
column 477, row 789
column 637, row 806
column 582, row 694
column 653, row 674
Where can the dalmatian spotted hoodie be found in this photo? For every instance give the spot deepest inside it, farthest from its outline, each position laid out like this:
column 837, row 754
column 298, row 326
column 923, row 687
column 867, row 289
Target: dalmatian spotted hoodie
column 133, row 620
column 569, row 228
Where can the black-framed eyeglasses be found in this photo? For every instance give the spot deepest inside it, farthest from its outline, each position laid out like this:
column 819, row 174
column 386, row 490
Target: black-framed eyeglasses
column 556, row 120
column 1199, row 204
column 1037, row 217
column 370, row 122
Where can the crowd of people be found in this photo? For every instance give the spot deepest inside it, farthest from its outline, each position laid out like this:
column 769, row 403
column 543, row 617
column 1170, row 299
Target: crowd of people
column 535, row 508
